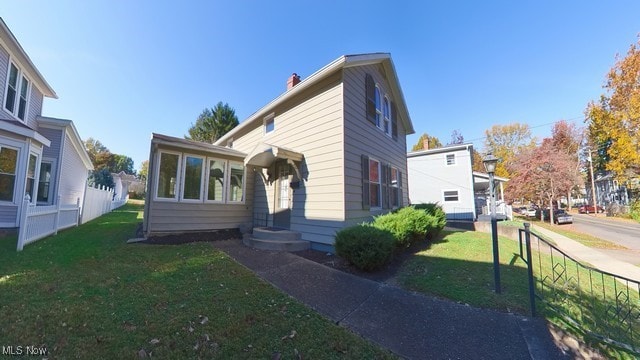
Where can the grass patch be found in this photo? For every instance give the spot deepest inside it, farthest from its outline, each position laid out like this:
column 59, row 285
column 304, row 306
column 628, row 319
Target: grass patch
column 85, row 293
column 584, row 239
column 459, row 266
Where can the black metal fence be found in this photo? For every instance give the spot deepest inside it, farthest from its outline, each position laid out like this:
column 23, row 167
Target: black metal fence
column 603, row 305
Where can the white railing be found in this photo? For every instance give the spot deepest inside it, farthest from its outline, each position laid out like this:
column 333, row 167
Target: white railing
column 37, row 222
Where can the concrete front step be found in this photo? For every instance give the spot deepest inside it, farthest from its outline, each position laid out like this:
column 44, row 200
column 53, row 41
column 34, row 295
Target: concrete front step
column 275, row 245
column 270, row 233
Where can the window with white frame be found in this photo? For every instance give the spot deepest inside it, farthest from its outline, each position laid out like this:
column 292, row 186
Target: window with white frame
column 215, row 184
column 31, row 176
column 269, row 124
column 451, row 159
column 44, row 182
column 378, row 108
column 450, row 195
column 193, row 171
column 17, row 92
column 374, row 184
column 199, row 179
column 386, row 110
column 394, row 200
column 168, row 170
column 8, row 166
column 236, row 182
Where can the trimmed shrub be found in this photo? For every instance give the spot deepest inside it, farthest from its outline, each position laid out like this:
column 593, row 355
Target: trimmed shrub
column 440, row 218
column 408, row 225
column 366, row 247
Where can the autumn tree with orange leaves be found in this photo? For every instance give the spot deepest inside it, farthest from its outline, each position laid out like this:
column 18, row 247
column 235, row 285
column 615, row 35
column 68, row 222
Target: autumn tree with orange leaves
column 614, row 120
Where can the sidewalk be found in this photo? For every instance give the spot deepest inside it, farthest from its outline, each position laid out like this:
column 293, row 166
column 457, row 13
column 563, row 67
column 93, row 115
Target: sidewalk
column 411, row 325
column 590, row 256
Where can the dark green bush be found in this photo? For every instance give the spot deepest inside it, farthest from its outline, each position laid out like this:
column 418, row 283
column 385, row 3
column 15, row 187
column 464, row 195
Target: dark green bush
column 435, row 210
column 408, row 225
column 366, row 247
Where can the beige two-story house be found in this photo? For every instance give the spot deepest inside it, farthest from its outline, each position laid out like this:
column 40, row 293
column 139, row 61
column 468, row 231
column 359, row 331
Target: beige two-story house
column 327, row 153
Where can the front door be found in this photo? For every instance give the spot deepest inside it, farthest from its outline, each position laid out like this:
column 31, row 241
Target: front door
column 282, row 214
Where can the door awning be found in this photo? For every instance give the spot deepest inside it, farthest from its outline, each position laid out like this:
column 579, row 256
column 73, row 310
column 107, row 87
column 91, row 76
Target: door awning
column 263, row 155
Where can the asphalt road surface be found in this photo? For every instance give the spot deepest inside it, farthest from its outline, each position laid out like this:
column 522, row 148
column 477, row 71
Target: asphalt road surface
column 623, row 233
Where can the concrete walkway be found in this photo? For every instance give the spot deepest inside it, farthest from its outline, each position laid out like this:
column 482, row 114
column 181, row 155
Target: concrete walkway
column 411, row 325
column 590, row 256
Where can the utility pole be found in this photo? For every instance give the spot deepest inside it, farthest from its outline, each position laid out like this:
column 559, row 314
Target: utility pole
column 593, row 186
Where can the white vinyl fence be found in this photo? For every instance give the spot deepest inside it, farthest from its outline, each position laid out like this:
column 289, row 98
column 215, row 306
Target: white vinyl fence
column 37, row 222
column 97, row 202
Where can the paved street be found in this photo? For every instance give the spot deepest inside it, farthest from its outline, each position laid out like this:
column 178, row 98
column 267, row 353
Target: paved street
column 623, row 233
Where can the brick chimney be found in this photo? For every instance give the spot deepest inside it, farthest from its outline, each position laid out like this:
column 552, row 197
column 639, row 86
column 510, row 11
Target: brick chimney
column 425, row 144
column 293, row 80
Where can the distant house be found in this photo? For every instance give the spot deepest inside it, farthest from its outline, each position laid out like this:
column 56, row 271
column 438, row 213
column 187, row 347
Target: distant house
column 445, row 176
column 327, row 153
column 124, row 184
column 608, row 190
column 41, row 157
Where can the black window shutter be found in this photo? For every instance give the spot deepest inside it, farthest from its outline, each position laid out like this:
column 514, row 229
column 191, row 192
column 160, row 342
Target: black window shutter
column 365, row 182
column 400, row 203
column 370, row 98
column 394, row 121
column 384, row 181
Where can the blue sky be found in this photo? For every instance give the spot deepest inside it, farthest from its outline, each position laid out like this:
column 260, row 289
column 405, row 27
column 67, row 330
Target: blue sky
column 125, row 69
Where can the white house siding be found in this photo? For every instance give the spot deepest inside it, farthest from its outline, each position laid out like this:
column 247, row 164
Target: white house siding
column 363, row 138
column 174, row 217
column 311, row 124
column 73, row 174
column 430, row 176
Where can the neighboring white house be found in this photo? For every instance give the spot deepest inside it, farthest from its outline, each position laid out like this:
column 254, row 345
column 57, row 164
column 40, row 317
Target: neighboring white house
column 40, row 156
column 123, row 184
column 445, row 176
column 327, row 153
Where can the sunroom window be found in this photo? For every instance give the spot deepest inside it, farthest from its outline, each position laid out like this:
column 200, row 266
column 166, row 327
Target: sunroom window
column 236, row 182
column 168, row 176
column 193, row 167
column 215, row 190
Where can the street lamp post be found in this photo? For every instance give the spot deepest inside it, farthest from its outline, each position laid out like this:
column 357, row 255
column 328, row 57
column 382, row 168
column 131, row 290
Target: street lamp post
column 490, row 163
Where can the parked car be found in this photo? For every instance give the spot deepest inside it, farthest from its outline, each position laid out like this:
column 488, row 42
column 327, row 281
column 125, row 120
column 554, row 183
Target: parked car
column 589, row 209
column 531, row 212
column 562, row 217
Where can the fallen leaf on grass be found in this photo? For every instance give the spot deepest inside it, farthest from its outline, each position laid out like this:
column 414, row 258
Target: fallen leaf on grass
column 154, row 341
column 203, row 319
column 276, row 356
column 142, row 354
column 290, row 336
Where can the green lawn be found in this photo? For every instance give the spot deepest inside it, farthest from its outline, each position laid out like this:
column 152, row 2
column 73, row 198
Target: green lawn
column 566, row 230
column 85, row 293
column 459, row 266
